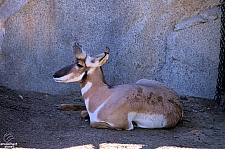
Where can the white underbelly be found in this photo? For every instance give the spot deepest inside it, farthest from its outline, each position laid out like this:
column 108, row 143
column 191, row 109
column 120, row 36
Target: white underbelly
column 147, row 120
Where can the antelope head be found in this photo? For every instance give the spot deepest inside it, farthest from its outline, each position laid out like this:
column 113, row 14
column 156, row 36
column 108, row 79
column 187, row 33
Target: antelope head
column 83, row 65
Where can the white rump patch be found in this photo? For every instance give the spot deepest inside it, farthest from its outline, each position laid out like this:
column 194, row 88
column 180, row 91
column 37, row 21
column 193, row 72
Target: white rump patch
column 147, row 120
column 141, row 81
column 86, row 88
column 69, row 78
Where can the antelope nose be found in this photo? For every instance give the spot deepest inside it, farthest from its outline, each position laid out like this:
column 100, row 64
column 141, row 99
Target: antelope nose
column 56, row 75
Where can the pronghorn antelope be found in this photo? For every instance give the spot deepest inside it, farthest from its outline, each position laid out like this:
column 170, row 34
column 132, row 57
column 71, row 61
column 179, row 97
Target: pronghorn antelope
column 145, row 104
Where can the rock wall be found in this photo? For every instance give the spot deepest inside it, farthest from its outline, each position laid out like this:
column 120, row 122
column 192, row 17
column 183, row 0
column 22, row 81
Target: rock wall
column 175, row 42
column 192, row 55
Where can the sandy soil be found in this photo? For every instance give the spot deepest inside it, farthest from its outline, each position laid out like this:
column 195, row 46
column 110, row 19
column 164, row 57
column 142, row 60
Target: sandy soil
column 31, row 120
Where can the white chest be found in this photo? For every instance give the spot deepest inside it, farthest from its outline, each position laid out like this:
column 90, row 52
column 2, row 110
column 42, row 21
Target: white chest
column 94, row 115
column 86, row 88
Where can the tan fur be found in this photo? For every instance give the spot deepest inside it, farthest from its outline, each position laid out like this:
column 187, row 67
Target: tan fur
column 147, row 96
column 71, row 107
column 147, row 103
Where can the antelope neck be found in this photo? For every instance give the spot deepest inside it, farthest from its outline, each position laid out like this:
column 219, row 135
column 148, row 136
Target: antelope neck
column 94, row 90
column 93, row 78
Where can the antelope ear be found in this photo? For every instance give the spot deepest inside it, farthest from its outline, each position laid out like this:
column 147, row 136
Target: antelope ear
column 99, row 60
column 78, row 50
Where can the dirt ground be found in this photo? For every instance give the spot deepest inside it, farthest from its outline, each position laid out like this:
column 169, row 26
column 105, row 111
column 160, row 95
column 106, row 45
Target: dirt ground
column 31, row 120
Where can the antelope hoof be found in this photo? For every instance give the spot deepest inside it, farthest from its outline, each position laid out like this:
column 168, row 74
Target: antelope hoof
column 84, row 115
column 58, row 107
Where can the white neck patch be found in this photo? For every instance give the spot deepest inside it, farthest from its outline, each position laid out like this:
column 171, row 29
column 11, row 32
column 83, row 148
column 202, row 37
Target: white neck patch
column 86, row 88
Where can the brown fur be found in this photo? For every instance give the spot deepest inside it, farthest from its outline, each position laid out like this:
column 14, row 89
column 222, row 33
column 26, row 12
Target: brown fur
column 148, row 102
column 142, row 97
column 72, row 107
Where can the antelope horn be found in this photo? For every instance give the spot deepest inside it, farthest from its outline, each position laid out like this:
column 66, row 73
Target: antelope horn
column 107, row 50
column 78, row 50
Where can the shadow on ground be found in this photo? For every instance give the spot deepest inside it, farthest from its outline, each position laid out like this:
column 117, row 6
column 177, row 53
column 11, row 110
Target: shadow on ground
column 30, row 120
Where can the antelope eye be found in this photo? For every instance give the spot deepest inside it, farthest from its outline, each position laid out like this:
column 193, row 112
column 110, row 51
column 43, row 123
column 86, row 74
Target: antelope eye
column 79, row 65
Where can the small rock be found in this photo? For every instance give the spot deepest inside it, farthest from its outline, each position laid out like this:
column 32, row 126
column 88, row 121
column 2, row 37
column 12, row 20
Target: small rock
column 20, row 96
column 195, row 132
